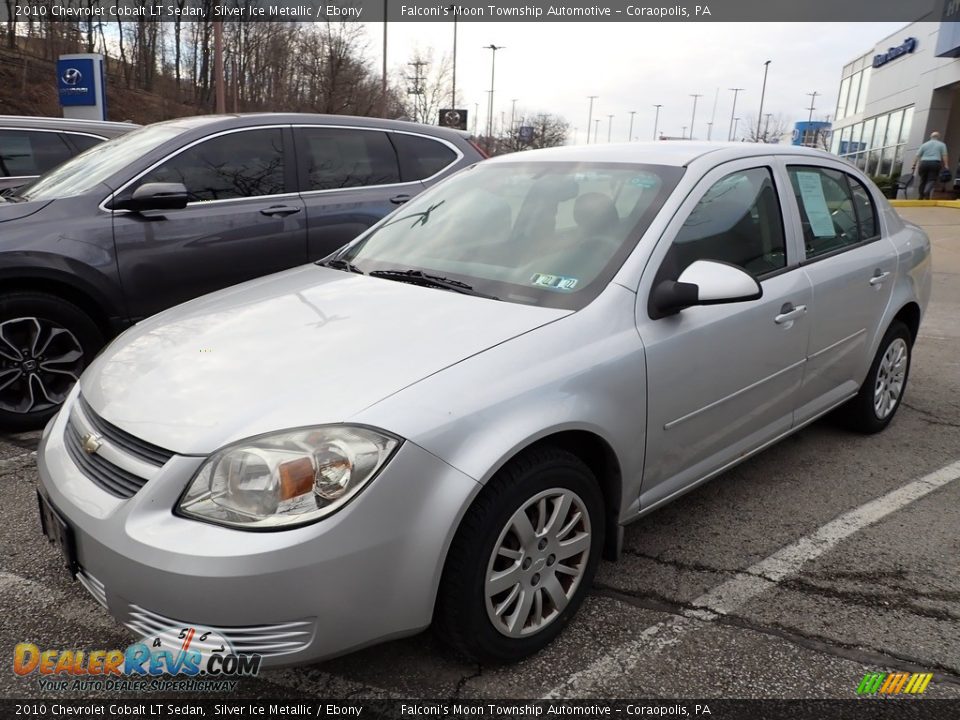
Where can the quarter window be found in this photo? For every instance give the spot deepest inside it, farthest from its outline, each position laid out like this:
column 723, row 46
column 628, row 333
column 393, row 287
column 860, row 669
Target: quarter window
column 343, row 158
column 832, row 214
column 240, row 164
column 24, row 153
column 84, row 142
column 738, row 221
column 421, row 157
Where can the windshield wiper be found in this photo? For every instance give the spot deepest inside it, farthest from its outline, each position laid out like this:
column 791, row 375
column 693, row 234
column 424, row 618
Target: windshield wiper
column 338, row 264
column 418, row 277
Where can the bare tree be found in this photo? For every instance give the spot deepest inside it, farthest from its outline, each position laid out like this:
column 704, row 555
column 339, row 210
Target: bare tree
column 769, row 130
column 532, row 131
column 429, row 89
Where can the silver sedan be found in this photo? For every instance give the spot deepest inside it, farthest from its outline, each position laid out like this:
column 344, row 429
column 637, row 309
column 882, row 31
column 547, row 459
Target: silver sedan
column 451, row 420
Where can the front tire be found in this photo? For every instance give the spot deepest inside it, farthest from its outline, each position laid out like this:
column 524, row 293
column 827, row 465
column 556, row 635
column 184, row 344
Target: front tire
column 882, row 391
column 45, row 343
column 523, row 558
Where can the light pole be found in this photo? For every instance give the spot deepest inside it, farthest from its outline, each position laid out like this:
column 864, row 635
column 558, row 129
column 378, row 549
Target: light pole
column 596, row 129
column 656, row 121
column 694, row 115
column 591, row 98
column 383, row 78
column 733, row 135
column 766, row 126
column 609, row 127
column 813, row 99
column 709, row 130
column 218, row 66
column 733, row 111
column 630, row 132
column 493, row 68
column 763, row 92
column 513, row 115
column 683, row 132
column 453, row 89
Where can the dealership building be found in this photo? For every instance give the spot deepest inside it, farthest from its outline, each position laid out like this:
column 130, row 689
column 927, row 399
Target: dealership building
column 892, row 98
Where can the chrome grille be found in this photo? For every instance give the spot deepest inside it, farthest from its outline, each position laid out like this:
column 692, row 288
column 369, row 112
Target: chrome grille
column 124, row 440
column 93, row 586
column 115, row 480
column 266, row 640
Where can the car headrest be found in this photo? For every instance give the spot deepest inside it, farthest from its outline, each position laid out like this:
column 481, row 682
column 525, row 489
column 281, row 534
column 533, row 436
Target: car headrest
column 595, row 213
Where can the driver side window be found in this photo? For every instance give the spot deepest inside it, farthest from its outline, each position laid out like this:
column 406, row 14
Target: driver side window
column 737, row 221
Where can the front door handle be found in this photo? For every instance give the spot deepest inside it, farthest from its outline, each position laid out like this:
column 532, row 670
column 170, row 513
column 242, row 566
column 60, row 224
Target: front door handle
column 281, row 210
column 879, row 277
column 400, row 199
column 789, row 312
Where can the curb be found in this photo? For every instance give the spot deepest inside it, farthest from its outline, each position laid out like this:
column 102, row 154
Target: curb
column 925, row 203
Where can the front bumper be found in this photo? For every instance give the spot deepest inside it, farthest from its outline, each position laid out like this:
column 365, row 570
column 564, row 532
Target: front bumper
column 366, row 573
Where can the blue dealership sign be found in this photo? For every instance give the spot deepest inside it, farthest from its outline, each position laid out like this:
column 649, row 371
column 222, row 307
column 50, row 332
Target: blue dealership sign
column 76, row 82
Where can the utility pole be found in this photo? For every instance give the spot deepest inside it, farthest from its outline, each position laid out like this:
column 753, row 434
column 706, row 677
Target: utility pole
column 763, row 92
column 736, row 121
column 766, row 127
column 513, row 115
column 694, row 116
column 383, row 76
column 417, row 89
column 630, row 132
column 813, row 99
column 733, row 111
column 683, row 132
column 493, row 68
column 596, row 129
column 656, row 121
column 453, row 91
column 713, row 115
column 609, row 127
column 591, row 98
column 218, row 66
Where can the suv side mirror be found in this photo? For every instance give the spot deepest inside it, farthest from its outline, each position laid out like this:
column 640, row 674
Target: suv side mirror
column 154, row 196
column 704, row 282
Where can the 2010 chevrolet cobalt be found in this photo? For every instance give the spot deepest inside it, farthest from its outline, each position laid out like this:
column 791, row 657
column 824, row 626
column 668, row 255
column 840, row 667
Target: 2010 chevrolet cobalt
column 451, row 419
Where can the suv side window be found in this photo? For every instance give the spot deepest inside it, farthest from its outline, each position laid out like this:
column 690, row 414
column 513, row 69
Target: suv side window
column 738, row 221
column 343, row 157
column 24, row 152
column 828, row 214
column 421, row 157
column 83, row 142
column 246, row 163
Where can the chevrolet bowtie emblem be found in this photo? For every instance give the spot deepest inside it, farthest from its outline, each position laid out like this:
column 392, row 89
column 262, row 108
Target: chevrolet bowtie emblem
column 91, row 443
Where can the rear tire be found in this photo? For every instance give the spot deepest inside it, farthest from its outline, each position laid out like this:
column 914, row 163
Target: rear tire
column 522, row 559
column 45, row 343
column 882, row 391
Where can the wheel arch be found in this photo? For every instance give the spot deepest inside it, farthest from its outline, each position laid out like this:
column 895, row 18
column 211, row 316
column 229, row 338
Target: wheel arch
column 909, row 315
column 69, row 288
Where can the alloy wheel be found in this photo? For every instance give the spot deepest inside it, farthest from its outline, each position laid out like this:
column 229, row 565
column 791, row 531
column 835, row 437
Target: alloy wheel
column 537, row 562
column 39, row 362
column 890, row 378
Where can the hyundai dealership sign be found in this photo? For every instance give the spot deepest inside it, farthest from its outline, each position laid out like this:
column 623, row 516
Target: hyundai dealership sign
column 908, row 46
column 81, row 86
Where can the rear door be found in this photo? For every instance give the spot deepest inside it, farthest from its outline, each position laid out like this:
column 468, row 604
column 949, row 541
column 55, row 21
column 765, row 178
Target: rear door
column 852, row 268
column 352, row 177
column 243, row 220
column 24, row 154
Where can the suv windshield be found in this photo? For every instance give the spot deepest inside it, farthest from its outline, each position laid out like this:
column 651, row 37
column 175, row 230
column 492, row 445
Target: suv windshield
column 551, row 234
column 90, row 168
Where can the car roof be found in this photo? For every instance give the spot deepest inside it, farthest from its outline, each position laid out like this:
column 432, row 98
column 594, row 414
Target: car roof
column 66, row 124
column 677, row 153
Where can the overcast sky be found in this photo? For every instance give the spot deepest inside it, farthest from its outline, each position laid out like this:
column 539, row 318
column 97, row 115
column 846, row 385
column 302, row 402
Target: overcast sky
column 554, row 66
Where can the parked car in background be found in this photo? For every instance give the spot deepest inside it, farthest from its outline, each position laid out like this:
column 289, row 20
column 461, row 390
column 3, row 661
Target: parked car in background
column 450, row 419
column 30, row 146
column 181, row 208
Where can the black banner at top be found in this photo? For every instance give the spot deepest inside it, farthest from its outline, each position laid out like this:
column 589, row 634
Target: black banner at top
column 482, row 10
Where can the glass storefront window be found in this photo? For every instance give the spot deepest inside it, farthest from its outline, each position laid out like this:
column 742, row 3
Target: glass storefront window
column 852, row 97
column 845, row 140
column 893, row 128
column 862, row 97
column 835, row 143
column 880, row 132
column 867, row 138
column 856, row 132
column 907, row 122
column 842, row 102
column 861, row 161
column 897, row 170
column 873, row 162
column 886, row 162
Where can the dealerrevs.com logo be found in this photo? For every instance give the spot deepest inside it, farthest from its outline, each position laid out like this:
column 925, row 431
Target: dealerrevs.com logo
column 186, row 658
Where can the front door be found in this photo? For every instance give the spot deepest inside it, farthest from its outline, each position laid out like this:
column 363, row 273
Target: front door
column 722, row 379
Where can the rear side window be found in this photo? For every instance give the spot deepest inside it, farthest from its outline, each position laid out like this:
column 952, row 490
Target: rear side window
column 25, row 152
column 829, row 215
column 421, row 157
column 334, row 158
column 866, row 210
column 241, row 164
column 83, row 142
column 737, row 221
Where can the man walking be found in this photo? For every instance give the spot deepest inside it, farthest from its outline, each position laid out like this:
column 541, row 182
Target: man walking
column 930, row 160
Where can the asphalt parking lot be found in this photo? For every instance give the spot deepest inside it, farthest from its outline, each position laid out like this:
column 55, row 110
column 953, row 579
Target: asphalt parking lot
column 792, row 575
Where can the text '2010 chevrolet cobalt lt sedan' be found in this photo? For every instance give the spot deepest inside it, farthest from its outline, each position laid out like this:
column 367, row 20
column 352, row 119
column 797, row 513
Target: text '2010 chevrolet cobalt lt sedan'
column 451, row 419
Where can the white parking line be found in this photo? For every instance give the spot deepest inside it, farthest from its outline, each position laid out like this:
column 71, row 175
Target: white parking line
column 746, row 585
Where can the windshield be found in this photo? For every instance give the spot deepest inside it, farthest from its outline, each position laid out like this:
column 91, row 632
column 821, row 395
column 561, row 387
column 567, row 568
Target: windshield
column 90, row 168
column 541, row 233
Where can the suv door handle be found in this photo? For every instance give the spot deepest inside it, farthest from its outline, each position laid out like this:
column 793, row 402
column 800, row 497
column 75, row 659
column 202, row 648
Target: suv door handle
column 788, row 312
column 280, row 210
column 879, row 277
column 399, row 199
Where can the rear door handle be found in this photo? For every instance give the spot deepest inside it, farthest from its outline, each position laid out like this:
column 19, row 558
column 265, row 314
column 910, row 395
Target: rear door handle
column 280, row 210
column 879, row 277
column 789, row 312
column 400, row 199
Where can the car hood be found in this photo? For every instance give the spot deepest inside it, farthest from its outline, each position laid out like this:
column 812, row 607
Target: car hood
column 17, row 210
column 303, row 347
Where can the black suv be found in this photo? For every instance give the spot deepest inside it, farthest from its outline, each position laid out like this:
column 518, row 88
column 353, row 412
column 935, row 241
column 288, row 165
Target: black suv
column 182, row 208
column 30, row 146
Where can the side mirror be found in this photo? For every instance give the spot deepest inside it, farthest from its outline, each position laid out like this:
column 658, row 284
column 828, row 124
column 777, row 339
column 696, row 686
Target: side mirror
column 154, row 196
column 704, row 282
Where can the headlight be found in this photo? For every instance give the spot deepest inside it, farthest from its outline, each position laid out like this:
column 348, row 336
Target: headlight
column 288, row 478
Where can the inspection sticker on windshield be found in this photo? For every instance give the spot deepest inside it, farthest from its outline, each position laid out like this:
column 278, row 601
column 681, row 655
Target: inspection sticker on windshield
column 645, row 180
column 557, row 282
